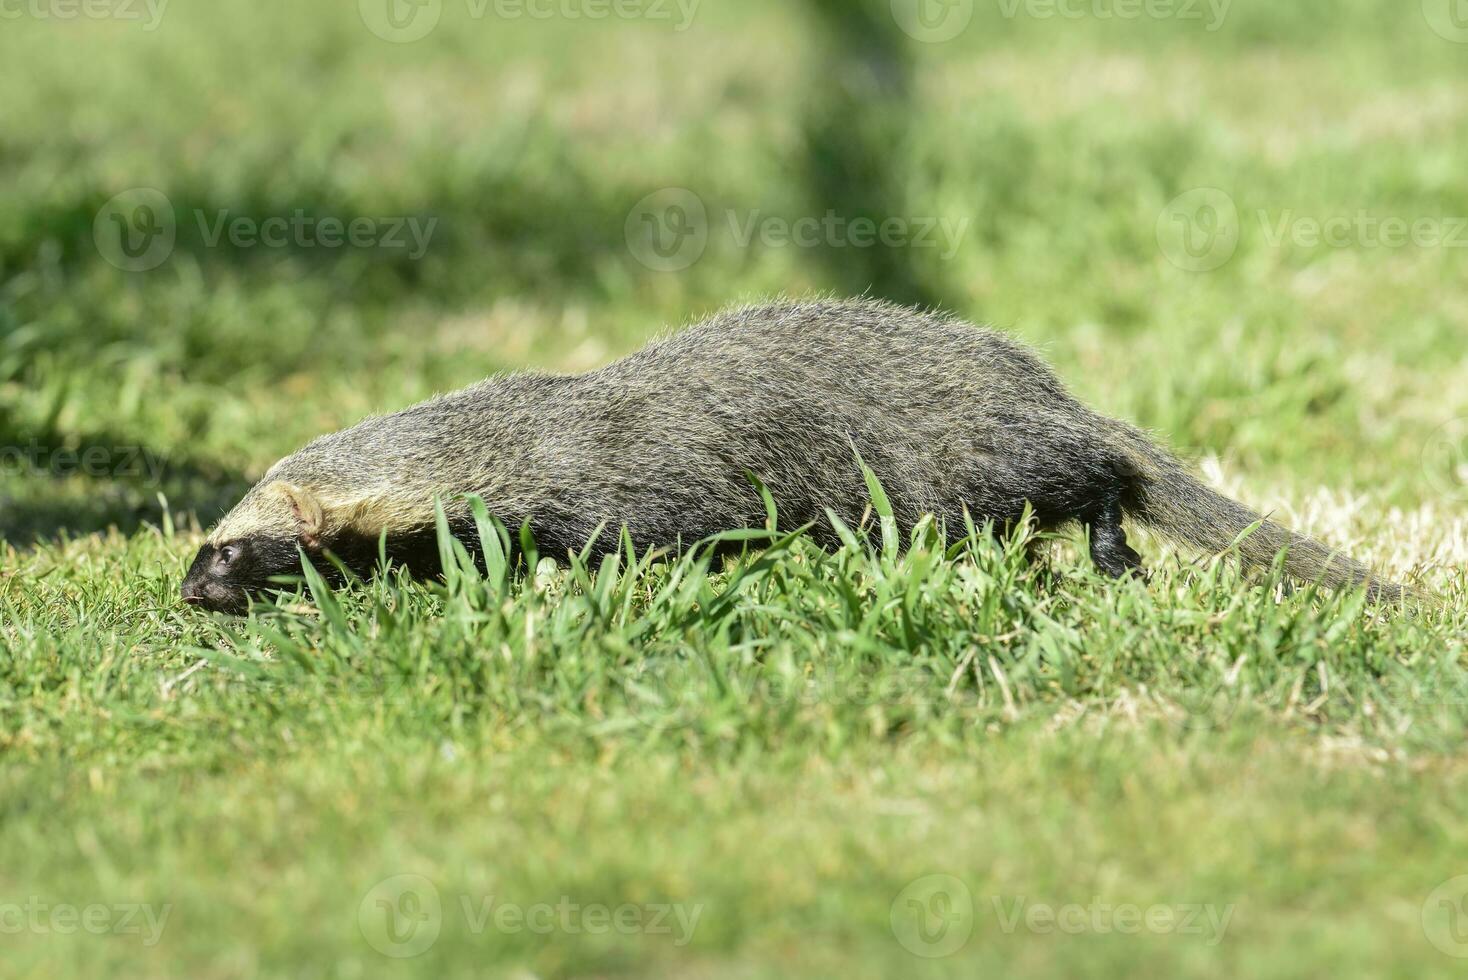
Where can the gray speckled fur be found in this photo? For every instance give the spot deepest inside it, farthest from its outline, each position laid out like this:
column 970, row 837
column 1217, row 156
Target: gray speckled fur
column 951, row 418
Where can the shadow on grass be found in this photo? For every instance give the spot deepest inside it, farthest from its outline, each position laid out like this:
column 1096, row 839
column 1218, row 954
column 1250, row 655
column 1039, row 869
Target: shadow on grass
column 854, row 139
column 539, row 231
column 55, row 485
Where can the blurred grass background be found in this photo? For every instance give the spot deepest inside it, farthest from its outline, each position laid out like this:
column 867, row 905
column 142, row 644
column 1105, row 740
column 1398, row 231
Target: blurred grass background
column 1331, row 382
column 1056, row 142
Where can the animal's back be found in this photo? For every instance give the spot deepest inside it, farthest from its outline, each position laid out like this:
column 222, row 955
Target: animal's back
column 955, row 420
column 857, row 355
column 948, row 415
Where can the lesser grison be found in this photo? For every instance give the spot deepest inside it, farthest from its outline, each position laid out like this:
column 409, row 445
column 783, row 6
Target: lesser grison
column 952, row 419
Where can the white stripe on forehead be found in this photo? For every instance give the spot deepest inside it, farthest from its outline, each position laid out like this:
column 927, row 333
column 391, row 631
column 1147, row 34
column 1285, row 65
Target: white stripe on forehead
column 266, row 510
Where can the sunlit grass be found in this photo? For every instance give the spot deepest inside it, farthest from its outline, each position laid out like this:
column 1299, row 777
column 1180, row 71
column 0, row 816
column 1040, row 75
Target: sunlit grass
column 789, row 739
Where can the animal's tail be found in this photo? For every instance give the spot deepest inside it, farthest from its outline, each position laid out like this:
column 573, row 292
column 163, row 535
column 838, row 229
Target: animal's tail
column 1166, row 497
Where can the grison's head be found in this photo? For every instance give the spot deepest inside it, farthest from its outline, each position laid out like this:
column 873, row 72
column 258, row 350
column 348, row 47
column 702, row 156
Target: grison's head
column 256, row 541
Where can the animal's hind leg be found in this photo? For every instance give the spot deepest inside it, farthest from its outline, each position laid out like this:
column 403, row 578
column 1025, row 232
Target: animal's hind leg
column 1109, row 549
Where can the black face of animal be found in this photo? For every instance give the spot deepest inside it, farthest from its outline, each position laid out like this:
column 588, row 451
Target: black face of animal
column 223, row 577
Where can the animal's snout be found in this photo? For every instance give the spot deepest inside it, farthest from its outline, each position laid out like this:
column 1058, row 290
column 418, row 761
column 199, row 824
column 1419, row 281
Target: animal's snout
column 202, row 593
column 194, row 590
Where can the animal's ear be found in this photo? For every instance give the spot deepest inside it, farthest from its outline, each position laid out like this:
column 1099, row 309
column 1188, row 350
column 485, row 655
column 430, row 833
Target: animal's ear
column 310, row 518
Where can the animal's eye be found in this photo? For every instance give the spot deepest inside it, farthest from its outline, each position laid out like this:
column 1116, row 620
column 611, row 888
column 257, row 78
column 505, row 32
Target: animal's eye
column 228, row 554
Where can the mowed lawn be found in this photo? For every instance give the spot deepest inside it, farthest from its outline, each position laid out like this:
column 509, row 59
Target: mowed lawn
column 228, row 228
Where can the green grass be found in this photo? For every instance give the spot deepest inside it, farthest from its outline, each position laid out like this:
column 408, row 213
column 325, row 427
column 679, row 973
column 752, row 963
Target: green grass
column 759, row 765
